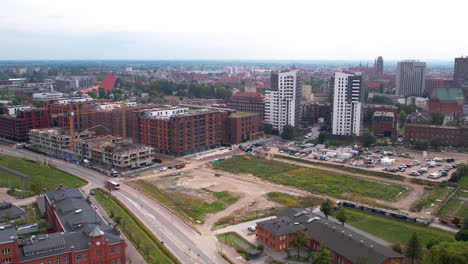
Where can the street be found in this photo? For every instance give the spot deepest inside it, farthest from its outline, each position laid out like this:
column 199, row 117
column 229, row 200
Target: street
column 184, row 242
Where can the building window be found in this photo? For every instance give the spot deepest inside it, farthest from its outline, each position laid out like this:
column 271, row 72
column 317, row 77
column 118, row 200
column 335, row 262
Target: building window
column 99, row 253
column 6, row 250
column 112, row 250
column 57, row 261
column 85, row 257
column 118, row 261
column 117, row 249
column 65, row 259
column 6, row 260
column 78, row 258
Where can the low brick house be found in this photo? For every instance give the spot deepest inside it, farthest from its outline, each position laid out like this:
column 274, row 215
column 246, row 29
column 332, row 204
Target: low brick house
column 346, row 246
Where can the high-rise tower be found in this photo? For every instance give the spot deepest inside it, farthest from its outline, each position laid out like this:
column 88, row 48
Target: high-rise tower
column 411, row 78
column 378, row 65
column 283, row 101
column 347, row 90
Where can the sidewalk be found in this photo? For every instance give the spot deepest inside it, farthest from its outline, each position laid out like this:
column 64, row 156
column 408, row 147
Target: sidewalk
column 131, row 252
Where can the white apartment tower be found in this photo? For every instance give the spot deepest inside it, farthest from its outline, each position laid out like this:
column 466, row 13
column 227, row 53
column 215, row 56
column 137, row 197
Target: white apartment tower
column 411, row 78
column 283, row 101
column 347, row 103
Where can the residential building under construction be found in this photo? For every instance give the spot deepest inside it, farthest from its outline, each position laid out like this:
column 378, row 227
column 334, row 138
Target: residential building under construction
column 110, row 152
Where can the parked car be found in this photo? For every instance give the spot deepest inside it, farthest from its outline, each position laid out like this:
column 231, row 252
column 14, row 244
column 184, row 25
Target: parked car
column 434, row 175
column 415, row 173
column 251, row 228
column 455, row 165
column 416, row 162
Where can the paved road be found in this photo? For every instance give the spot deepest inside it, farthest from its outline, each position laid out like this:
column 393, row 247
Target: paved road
column 186, row 244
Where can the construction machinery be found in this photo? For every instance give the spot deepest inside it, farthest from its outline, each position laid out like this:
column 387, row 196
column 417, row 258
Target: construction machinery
column 451, row 221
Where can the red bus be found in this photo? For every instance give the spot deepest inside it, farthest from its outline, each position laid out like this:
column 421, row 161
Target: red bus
column 113, row 185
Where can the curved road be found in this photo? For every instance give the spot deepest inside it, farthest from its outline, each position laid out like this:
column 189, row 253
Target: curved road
column 184, row 242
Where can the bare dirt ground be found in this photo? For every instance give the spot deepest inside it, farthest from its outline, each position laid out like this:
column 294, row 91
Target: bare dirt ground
column 251, row 190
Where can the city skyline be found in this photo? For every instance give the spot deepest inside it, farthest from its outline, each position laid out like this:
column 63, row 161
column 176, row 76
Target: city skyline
column 181, row 30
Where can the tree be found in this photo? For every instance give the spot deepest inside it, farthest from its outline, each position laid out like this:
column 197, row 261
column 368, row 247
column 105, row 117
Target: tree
column 421, row 145
column 397, row 248
column 403, row 116
column 289, row 132
column 413, row 249
column 261, row 247
column 323, row 256
column 448, row 253
column 322, row 136
column 462, row 235
column 341, row 216
column 266, row 128
column 102, row 93
column 37, row 186
column 367, row 139
column 299, row 240
column 437, row 117
column 93, row 94
column 433, row 242
column 435, row 143
column 326, row 208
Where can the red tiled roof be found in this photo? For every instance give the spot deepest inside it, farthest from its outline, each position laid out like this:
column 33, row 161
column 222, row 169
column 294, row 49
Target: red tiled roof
column 108, row 82
column 445, row 107
column 248, row 94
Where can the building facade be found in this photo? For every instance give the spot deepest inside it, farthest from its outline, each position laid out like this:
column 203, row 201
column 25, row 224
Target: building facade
column 54, row 141
column 347, row 93
column 68, row 84
column 448, row 135
column 411, row 78
column 78, row 234
column 383, row 124
column 283, row 100
column 378, row 65
column 242, row 126
column 181, row 131
column 16, row 121
column 248, row 102
column 460, row 73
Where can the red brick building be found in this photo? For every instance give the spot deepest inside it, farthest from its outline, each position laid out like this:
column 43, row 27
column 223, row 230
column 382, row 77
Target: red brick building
column 448, row 135
column 110, row 118
column 383, row 124
column 182, row 131
column 242, row 126
column 78, row 234
column 370, row 109
column 59, row 110
column 248, row 102
column 346, row 246
column 452, row 110
column 434, row 83
column 16, row 121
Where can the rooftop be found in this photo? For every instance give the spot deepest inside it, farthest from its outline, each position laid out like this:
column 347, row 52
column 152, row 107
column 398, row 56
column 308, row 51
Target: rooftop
column 242, row 114
column 384, row 114
column 449, row 94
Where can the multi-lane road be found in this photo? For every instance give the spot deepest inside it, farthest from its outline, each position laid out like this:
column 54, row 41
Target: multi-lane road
column 183, row 241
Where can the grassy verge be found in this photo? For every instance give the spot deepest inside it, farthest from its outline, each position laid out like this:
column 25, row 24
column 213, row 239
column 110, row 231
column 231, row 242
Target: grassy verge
column 345, row 168
column 431, row 196
column 313, row 180
column 245, row 215
column 141, row 237
column 237, row 242
column 294, row 201
column 456, row 207
column 40, row 176
column 393, row 230
column 187, row 207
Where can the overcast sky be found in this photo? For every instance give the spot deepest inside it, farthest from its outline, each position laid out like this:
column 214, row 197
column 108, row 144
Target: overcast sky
column 235, row 30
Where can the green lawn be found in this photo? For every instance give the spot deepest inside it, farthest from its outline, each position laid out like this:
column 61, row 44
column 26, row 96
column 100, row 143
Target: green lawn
column 237, row 242
column 311, row 179
column 393, row 230
column 186, row 206
column 294, row 201
column 40, row 176
column 456, row 207
column 148, row 245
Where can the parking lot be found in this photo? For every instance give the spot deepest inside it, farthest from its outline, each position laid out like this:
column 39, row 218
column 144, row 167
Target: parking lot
column 411, row 165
